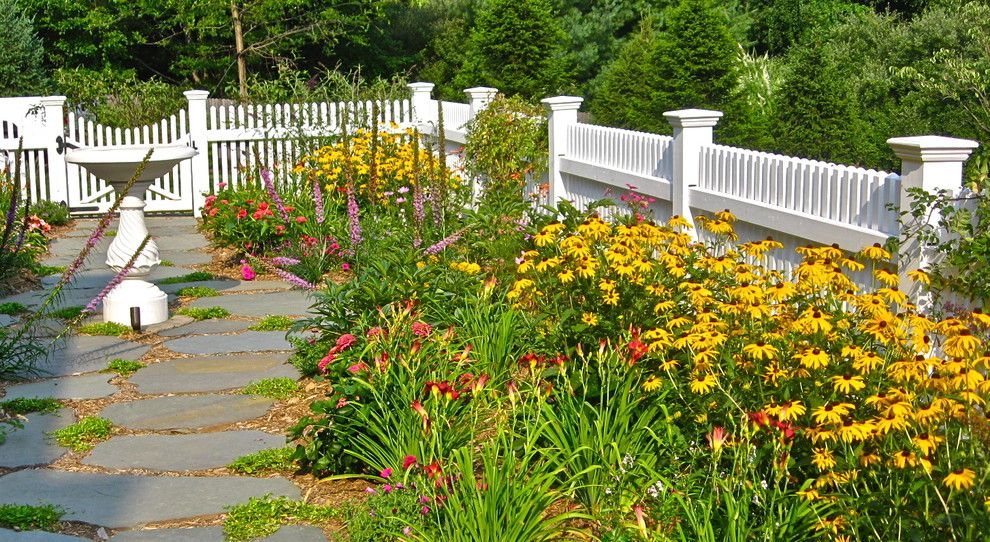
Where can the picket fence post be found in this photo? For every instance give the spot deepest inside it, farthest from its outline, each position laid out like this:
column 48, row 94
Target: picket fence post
column 54, row 121
column 422, row 111
column 692, row 130
column 479, row 98
column 931, row 163
column 200, row 167
column 561, row 115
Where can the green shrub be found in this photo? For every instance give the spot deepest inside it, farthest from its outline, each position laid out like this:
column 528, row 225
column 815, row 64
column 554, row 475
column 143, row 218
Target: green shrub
column 262, row 516
column 12, row 309
column 197, row 291
column 273, row 323
column 274, row 388
column 204, row 313
column 264, row 461
column 117, row 97
column 45, row 270
column 123, row 367
column 21, row 53
column 111, row 329
column 25, row 405
column 67, row 313
column 83, row 435
column 53, row 212
column 24, row 517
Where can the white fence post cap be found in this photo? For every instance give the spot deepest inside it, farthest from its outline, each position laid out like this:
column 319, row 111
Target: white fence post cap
column 53, row 100
column 932, row 148
column 563, row 103
column 421, row 86
column 692, row 118
column 480, row 91
column 196, row 94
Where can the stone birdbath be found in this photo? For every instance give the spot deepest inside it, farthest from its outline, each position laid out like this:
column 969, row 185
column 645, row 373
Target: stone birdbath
column 116, row 166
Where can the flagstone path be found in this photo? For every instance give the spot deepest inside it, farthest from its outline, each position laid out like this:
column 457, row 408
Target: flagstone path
column 177, row 420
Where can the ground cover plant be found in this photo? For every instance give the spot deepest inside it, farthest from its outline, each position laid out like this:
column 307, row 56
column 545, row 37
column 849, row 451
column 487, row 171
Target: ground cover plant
column 265, row 461
column 274, row 388
column 204, row 313
column 104, row 328
column 83, row 435
column 23, row 517
column 123, row 367
column 197, row 291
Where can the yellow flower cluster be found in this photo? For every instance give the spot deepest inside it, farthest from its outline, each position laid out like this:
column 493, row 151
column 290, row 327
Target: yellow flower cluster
column 394, row 165
column 858, row 380
column 466, row 267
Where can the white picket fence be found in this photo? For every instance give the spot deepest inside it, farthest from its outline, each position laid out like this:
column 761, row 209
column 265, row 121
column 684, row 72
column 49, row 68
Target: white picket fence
column 796, row 201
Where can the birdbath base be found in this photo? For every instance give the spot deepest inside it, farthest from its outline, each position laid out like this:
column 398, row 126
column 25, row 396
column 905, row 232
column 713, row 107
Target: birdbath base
column 132, row 292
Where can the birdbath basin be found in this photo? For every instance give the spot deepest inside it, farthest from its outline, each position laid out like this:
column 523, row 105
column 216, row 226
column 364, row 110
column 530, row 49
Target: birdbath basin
column 133, row 296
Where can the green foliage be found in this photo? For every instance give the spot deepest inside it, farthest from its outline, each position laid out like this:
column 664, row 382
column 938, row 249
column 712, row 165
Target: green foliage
column 112, row 329
column 624, row 97
column 265, row 461
column 21, row 53
column 67, row 313
column 274, row 388
column 197, row 291
column 506, row 144
column 385, row 515
column 83, row 435
column 12, row 308
column 204, row 313
column 445, row 53
column 262, row 516
column 25, row 517
column 273, row 322
column 123, row 367
column 816, row 113
column 695, row 59
column 166, row 263
column 55, row 213
column 46, row 270
column 781, row 24
column 196, row 276
column 517, row 47
column 44, row 405
column 119, row 98
column 501, row 493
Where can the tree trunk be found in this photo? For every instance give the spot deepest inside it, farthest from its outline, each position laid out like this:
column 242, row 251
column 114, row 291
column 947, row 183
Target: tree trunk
column 235, row 14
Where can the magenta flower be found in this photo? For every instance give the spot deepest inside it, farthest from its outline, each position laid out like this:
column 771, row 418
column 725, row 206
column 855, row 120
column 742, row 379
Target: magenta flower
column 247, row 273
column 386, row 473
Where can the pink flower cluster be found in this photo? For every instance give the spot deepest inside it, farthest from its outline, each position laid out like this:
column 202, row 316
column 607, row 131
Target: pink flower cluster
column 344, row 342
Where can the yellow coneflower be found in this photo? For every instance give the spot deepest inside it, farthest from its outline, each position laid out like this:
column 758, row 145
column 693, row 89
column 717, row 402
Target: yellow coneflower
column 611, row 298
column 959, row 479
column 678, row 221
column 760, row 350
column 875, row 252
column 904, row 459
column 832, row 413
column 565, row 276
column 589, row 318
column 868, row 458
column 963, row 344
column 920, row 276
column 848, row 383
column 823, row 458
column 652, row 383
column 889, row 423
column 791, row 410
column 851, row 431
column 813, row 358
column 927, row 442
column 703, row 383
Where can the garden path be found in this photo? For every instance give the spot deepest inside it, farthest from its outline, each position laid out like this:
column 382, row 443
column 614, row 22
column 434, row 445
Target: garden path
column 178, row 421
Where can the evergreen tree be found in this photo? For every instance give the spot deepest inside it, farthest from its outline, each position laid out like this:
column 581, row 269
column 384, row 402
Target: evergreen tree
column 517, row 47
column 816, row 114
column 624, row 97
column 21, row 54
column 695, row 59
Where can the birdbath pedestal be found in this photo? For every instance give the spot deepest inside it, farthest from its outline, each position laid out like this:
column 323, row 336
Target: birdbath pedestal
column 116, row 166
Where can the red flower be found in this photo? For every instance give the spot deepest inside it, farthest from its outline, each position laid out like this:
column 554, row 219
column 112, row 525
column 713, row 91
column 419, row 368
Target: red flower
column 257, row 215
column 241, row 213
column 213, row 211
column 301, row 219
column 409, row 461
column 279, row 229
column 421, row 329
column 263, row 206
column 209, row 202
column 433, row 469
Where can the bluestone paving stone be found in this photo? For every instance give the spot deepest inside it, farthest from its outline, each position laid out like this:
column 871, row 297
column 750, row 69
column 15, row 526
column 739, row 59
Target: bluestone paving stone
column 292, row 302
column 175, row 321
column 116, row 501
column 249, row 285
column 6, row 535
column 186, row 411
column 85, row 354
column 180, row 452
column 249, row 341
column 6, row 320
column 211, row 373
column 179, row 241
column 197, row 534
column 203, row 327
column 186, row 257
column 30, row 445
column 69, row 387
